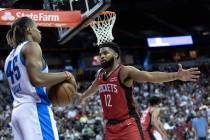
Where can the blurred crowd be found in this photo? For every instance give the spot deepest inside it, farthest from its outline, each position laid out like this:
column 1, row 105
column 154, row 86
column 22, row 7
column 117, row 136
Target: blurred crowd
column 181, row 103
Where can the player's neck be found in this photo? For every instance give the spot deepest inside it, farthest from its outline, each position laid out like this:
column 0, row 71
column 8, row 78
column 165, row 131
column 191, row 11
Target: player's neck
column 110, row 69
column 29, row 38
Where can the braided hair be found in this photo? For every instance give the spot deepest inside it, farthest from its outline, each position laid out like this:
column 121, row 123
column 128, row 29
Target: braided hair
column 17, row 33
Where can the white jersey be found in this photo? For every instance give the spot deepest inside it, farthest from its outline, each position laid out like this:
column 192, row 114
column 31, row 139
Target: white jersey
column 21, row 88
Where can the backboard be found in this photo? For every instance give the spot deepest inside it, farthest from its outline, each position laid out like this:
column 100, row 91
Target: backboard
column 89, row 10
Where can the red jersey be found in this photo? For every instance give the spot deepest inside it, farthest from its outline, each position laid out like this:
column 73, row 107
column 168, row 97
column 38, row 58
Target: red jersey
column 117, row 100
column 146, row 124
column 146, row 119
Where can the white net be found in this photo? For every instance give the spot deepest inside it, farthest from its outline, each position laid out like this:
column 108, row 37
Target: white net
column 102, row 26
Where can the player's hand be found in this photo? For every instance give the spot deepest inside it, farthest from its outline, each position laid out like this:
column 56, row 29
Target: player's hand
column 191, row 74
column 70, row 78
column 76, row 99
column 82, row 101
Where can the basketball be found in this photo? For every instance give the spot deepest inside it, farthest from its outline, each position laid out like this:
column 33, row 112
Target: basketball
column 62, row 94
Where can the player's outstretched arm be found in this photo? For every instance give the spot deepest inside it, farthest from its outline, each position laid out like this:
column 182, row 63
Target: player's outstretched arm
column 191, row 74
column 90, row 91
column 34, row 63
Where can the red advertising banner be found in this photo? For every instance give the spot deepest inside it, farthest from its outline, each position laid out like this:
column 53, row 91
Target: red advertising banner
column 42, row 17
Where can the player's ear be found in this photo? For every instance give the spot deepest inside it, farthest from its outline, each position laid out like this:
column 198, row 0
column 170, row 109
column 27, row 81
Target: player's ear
column 29, row 30
column 115, row 55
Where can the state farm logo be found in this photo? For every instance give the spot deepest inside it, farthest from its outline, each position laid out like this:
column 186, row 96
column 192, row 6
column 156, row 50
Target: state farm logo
column 39, row 16
column 1, row 9
column 7, row 16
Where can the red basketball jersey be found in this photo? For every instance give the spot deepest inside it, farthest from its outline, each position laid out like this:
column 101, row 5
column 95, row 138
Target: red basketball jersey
column 117, row 99
column 146, row 120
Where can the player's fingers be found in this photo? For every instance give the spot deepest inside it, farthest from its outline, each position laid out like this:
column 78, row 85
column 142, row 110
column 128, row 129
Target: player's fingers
column 72, row 88
column 180, row 66
column 193, row 80
column 193, row 69
column 73, row 82
column 76, row 99
column 195, row 76
column 195, row 72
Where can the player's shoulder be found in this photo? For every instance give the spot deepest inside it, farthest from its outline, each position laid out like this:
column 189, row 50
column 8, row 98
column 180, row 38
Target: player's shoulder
column 126, row 66
column 126, row 69
column 155, row 110
column 32, row 46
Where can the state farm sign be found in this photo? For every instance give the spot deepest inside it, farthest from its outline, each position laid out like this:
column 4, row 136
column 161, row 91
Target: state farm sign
column 39, row 16
column 42, row 17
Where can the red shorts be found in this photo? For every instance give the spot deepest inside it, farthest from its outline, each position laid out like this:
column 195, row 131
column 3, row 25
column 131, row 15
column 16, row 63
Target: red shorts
column 126, row 130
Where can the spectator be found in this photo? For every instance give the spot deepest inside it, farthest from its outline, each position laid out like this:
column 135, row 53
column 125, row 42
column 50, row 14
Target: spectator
column 200, row 125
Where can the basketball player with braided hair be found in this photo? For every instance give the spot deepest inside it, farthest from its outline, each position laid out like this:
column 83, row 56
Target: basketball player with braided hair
column 28, row 77
column 114, row 83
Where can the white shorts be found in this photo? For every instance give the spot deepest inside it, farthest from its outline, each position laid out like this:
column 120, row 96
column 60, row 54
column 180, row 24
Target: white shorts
column 157, row 135
column 31, row 121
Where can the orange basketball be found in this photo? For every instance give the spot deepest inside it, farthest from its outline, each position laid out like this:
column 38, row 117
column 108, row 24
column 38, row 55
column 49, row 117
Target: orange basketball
column 62, row 94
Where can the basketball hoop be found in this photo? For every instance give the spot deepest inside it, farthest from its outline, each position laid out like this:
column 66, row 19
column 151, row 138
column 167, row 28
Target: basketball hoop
column 102, row 26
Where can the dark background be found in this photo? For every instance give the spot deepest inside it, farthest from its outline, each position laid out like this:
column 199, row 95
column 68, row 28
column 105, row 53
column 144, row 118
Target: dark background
column 136, row 20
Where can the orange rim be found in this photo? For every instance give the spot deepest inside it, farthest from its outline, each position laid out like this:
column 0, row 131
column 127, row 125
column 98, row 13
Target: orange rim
column 106, row 13
column 104, row 20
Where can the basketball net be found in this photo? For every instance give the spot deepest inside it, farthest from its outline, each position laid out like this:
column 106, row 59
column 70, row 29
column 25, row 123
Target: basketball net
column 102, row 26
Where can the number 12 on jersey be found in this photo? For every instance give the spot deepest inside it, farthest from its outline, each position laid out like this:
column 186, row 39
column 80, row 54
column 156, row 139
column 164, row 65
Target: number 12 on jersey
column 108, row 98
